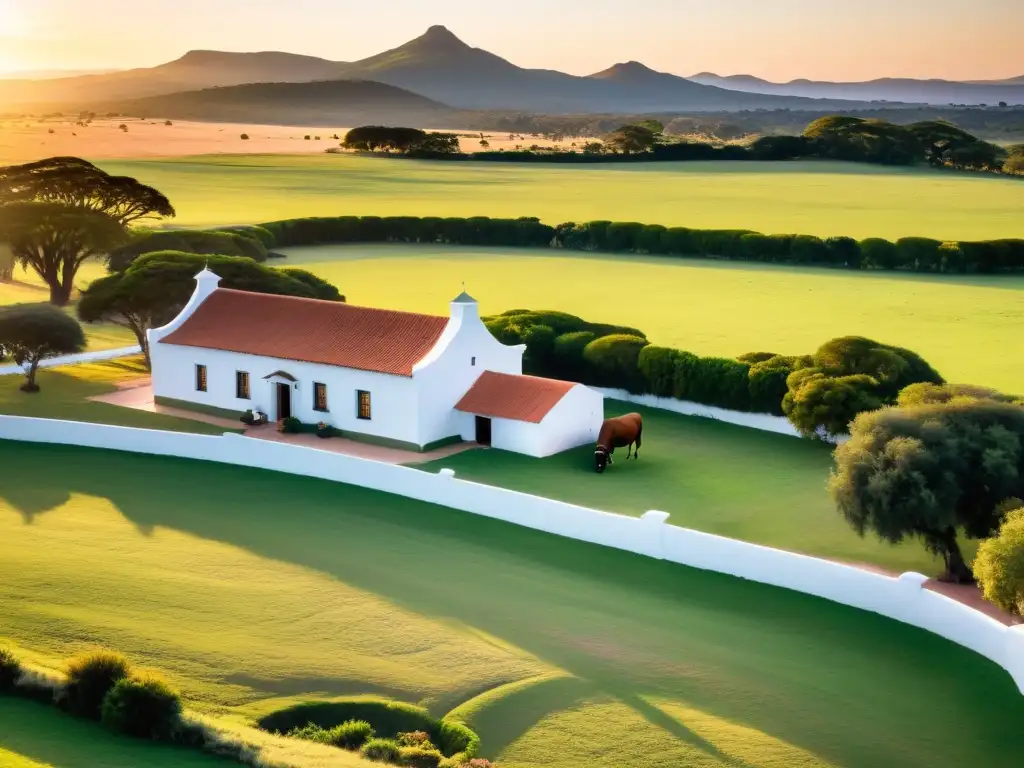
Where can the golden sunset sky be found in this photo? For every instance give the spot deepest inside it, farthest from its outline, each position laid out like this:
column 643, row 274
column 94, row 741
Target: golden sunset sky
column 779, row 40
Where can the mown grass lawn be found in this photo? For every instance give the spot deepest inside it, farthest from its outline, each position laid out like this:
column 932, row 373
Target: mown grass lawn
column 817, row 198
column 64, row 393
column 251, row 589
column 715, row 477
column 37, row 736
column 966, row 327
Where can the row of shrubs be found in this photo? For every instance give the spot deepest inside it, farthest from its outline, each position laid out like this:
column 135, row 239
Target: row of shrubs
column 102, row 686
column 820, row 393
column 382, row 730
column 251, row 242
column 917, row 254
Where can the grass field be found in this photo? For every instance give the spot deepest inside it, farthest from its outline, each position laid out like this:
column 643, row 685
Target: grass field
column 36, row 736
column 710, row 476
column 253, row 589
column 29, row 289
column 819, row 198
column 964, row 326
column 64, row 394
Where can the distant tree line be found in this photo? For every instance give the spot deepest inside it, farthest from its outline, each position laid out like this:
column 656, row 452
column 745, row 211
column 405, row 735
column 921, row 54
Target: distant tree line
column 916, row 254
column 835, row 137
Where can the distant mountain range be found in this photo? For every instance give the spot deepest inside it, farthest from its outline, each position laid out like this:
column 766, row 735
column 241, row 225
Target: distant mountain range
column 904, row 90
column 325, row 102
column 443, row 70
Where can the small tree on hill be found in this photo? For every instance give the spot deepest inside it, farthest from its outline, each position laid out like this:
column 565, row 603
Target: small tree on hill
column 999, row 565
column 31, row 333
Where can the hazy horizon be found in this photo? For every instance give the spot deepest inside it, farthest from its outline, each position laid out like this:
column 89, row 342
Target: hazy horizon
column 826, row 40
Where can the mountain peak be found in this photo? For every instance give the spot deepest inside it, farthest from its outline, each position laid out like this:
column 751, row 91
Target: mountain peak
column 439, row 35
column 628, row 70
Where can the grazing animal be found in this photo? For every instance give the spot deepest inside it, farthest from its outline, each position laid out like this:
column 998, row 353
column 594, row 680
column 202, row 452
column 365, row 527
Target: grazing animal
column 616, row 433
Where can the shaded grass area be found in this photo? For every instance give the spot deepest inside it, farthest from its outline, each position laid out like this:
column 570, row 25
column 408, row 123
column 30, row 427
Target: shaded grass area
column 708, row 475
column 27, row 288
column 36, row 736
column 808, row 197
column 64, row 394
column 963, row 325
column 254, row 586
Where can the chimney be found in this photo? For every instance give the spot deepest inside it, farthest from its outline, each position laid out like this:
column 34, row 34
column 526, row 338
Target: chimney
column 464, row 307
column 206, row 283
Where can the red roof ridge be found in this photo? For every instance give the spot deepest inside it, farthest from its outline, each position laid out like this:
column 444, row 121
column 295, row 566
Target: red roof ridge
column 326, row 301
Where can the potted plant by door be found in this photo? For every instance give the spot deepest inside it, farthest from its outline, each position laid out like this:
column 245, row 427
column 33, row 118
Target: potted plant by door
column 324, row 430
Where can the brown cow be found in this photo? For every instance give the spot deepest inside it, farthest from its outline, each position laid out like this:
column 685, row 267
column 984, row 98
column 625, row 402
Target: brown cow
column 616, row 433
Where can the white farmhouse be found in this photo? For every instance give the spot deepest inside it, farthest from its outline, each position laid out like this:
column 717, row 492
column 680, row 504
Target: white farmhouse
column 393, row 378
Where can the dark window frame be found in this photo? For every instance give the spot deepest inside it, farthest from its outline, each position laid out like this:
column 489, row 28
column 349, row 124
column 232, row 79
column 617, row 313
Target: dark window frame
column 361, row 413
column 318, row 387
column 243, row 392
column 202, row 378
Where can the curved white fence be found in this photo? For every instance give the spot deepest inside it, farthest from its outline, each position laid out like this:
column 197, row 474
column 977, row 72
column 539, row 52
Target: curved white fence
column 903, row 599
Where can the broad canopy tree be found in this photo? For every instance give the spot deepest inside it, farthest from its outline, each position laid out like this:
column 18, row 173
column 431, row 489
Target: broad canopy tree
column 58, row 212
column 30, row 333
column 154, row 289
column 930, row 472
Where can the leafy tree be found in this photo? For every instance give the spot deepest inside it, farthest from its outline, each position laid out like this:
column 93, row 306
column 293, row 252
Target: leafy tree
column 999, row 564
column 893, row 368
column 54, row 239
column 930, row 472
column 821, row 406
column 79, row 184
column 926, row 393
column 223, row 243
column 632, row 139
column 30, row 333
column 877, row 253
column 155, row 288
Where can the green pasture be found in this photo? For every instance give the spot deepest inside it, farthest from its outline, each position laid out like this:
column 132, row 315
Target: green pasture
column 65, row 392
column 37, row 736
column 708, row 475
column 968, row 326
column 817, row 198
column 252, row 590
column 27, row 288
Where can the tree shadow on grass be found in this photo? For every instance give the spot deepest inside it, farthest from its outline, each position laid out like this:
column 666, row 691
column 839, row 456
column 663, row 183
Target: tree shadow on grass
column 792, row 666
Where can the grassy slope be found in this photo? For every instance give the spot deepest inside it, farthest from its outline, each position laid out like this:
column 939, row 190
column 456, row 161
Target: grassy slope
column 64, row 393
column 35, row 736
column 714, row 477
column 254, row 586
column 963, row 326
column 28, row 288
column 806, row 197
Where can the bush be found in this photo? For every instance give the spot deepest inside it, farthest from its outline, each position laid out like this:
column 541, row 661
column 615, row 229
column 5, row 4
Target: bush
column 248, row 418
column 767, row 382
column 207, row 243
column 999, row 564
column 613, row 360
column 420, row 757
column 454, row 738
column 382, row 751
column 892, row 367
column 90, row 678
column 877, row 253
column 10, row 671
column 351, row 734
column 920, row 254
column 718, row 381
column 415, row 739
column 822, row 406
column 926, row 393
column 290, row 426
column 143, row 706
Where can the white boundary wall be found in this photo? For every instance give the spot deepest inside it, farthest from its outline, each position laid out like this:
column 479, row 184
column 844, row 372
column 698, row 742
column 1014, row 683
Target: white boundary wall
column 762, row 421
column 903, row 599
column 85, row 357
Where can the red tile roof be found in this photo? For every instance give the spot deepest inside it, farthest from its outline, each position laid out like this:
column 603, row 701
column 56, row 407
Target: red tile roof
column 520, row 398
column 310, row 330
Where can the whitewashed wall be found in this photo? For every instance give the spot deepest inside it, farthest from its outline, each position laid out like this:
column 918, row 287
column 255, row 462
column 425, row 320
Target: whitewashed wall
column 85, row 357
column 762, row 421
column 903, row 598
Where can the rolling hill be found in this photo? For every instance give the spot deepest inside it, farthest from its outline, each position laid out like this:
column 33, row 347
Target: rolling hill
column 329, row 103
column 940, row 92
